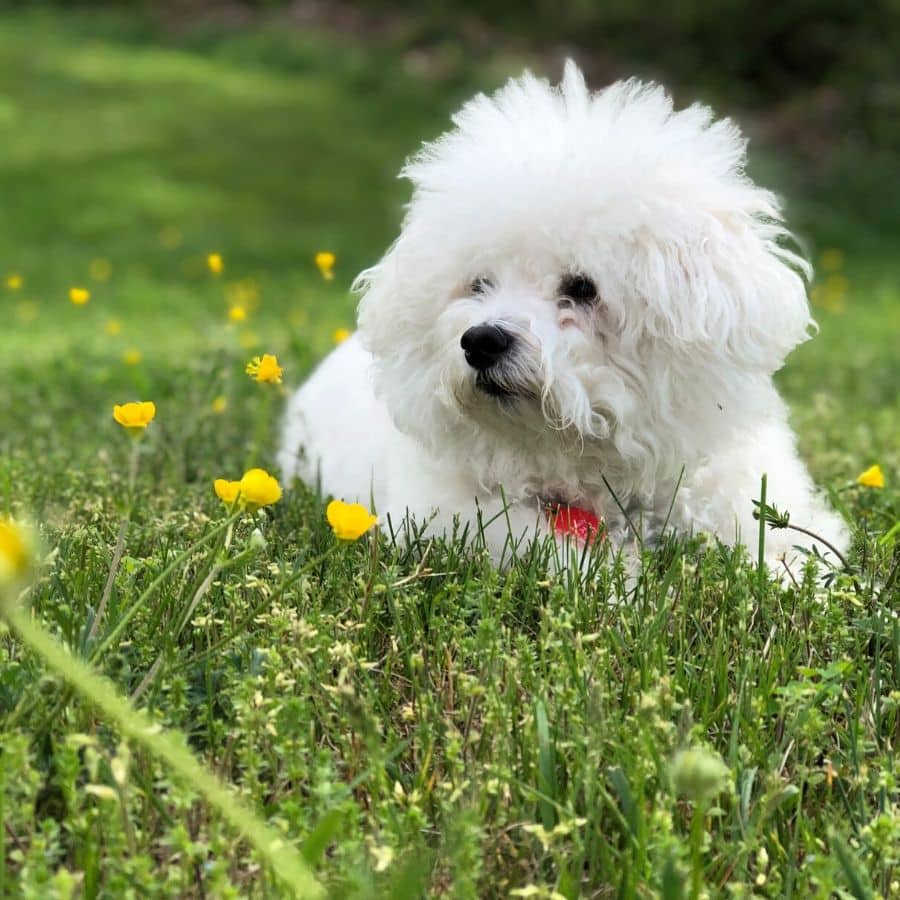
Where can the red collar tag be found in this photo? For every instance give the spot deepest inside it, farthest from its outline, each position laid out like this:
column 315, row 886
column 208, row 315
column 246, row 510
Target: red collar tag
column 579, row 523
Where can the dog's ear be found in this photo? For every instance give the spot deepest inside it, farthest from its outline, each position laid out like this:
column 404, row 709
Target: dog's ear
column 734, row 290
column 383, row 297
column 393, row 324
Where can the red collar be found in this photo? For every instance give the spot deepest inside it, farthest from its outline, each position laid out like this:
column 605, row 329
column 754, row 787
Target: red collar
column 573, row 520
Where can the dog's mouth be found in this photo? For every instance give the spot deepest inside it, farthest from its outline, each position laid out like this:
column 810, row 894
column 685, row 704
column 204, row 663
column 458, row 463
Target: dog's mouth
column 488, row 386
column 500, row 390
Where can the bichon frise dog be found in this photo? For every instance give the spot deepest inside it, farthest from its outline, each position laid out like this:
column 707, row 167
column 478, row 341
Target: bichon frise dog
column 578, row 323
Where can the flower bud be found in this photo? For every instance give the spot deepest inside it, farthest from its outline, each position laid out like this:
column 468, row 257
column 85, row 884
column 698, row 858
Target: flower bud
column 257, row 541
column 699, row 774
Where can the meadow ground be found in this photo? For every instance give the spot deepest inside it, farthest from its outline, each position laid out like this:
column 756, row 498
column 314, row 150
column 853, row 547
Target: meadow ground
column 408, row 719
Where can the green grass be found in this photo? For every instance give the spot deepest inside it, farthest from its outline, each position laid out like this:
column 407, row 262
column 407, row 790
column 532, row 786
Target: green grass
column 410, row 719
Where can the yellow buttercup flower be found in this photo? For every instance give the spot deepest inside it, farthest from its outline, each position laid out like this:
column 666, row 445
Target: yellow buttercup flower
column 265, row 369
column 831, row 259
column 113, row 327
column 135, row 417
column 832, row 293
column 256, row 488
column 100, row 269
column 14, row 281
column 243, row 293
column 349, row 521
column 227, row 491
column 132, row 357
column 259, row 488
column 837, row 285
column 16, row 550
column 873, row 477
column 219, row 405
column 79, row 296
column 340, row 335
column 215, row 263
column 325, row 261
column 237, row 313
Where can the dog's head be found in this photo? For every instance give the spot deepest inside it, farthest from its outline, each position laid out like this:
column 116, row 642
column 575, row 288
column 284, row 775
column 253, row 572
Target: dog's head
column 595, row 265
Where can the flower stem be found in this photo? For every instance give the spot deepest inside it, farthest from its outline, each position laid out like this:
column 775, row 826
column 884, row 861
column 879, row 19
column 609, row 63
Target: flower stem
column 111, row 577
column 761, row 554
column 139, row 727
column 119, row 550
column 276, row 594
column 96, row 653
column 151, row 589
column 198, row 595
column 821, row 540
column 697, row 851
column 263, row 412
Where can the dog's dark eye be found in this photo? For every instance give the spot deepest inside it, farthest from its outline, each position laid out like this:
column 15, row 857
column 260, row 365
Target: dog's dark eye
column 481, row 285
column 579, row 288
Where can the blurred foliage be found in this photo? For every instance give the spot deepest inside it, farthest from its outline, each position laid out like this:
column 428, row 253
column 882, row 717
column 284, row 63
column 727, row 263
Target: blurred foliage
column 763, row 53
column 834, row 62
column 771, row 51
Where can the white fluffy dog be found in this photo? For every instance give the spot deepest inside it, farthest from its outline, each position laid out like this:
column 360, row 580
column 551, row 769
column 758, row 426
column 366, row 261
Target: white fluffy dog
column 584, row 307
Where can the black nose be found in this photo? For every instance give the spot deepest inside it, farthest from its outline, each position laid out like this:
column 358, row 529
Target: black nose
column 484, row 345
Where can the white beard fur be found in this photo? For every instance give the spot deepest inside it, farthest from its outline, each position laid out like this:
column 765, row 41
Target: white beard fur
column 664, row 383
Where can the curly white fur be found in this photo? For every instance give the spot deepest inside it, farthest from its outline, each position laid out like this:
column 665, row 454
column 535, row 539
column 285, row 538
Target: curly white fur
column 666, row 377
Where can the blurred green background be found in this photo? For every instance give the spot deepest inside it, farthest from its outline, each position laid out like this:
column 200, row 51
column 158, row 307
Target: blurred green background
column 138, row 138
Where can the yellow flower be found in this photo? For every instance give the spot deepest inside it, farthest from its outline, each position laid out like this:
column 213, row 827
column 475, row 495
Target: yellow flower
column 325, row 261
column 259, row 488
column 227, row 491
column 831, row 259
column 132, row 357
column 340, row 335
column 215, row 263
column 349, row 521
column 237, row 313
column 219, row 405
column 112, row 327
column 100, row 269
column 837, row 285
column 265, row 369
column 135, row 417
column 14, row 281
column 79, row 296
column 243, row 293
column 16, row 550
column 873, row 477
column 832, row 293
